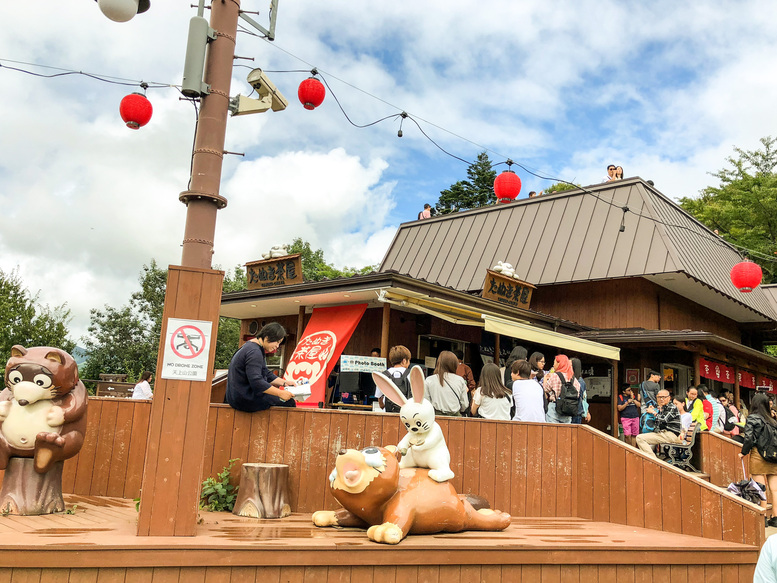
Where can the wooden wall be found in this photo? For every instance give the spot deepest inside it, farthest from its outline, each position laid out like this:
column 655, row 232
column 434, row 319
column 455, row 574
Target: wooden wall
column 718, row 456
column 523, row 468
column 614, row 478
column 630, row 303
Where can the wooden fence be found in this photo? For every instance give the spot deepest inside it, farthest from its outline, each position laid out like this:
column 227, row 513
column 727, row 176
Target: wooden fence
column 525, row 469
column 718, row 456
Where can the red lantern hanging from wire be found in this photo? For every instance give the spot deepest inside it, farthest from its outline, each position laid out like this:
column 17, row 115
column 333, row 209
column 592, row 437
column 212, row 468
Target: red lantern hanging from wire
column 507, row 185
column 746, row 276
column 311, row 92
column 135, row 110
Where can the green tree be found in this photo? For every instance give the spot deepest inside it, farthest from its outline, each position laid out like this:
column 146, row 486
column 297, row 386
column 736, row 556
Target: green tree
column 743, row 207
column 23, row 320
column 126, row 340
column 315, row 267
column 228, row 339
column 476, row 191
column 560, row 187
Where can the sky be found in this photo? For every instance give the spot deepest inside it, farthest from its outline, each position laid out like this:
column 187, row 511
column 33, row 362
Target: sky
column 665, row 89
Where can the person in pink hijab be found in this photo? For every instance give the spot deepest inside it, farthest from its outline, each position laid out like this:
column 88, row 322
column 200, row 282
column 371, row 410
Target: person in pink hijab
column 552, row 383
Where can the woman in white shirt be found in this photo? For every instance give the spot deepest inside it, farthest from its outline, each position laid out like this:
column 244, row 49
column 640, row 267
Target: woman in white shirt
column 446, row 390
column 143, row 389
column 492, row 400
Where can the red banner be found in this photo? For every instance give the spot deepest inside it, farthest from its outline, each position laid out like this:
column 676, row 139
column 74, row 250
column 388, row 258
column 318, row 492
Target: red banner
column 746, row 379
column 316, row 354
column 716, row 371
column 767, row 382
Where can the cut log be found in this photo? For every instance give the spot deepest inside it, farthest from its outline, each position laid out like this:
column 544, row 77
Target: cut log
column 264, row 491
column 27, row 493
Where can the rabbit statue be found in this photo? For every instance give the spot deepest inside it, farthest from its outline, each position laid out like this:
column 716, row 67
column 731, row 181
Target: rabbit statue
column 424, row 445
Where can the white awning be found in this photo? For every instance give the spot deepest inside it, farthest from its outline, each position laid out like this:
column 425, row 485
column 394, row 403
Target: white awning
column 460, row 314
column 548, row 337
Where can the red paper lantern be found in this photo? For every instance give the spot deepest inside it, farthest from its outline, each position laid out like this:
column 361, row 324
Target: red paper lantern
column 746, row 276
column 311, row 93
column 135, row 110
column 507, row 186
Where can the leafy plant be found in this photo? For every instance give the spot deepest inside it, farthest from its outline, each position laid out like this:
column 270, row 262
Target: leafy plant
column 218, row 495
column 72, row 509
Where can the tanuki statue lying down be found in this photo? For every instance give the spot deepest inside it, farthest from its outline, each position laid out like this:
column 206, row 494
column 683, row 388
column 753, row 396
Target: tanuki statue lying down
column 393, row 503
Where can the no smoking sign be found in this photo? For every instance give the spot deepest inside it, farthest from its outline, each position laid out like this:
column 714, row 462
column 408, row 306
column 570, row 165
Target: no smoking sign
column 186, row 350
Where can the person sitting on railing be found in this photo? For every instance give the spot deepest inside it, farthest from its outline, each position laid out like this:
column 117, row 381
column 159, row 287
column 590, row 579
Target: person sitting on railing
column 668, row 427
column 730, row 419
column 694, row 406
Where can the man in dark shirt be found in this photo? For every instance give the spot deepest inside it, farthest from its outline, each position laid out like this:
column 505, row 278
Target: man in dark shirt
column 649, row 389
column 250, row 384
column 668, row 426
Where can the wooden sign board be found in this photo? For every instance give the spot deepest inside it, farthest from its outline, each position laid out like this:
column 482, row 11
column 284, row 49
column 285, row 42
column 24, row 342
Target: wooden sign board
column 507, row 290
column 274, row 272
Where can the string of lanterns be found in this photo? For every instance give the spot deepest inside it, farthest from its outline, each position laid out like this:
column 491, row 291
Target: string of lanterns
column 136, row 110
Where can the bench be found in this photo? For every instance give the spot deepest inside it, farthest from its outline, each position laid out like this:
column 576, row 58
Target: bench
column 680, row 454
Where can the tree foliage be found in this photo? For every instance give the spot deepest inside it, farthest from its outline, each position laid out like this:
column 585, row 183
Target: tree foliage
column 23, row 320
column 743, row 207
column 125, row 340
column 315, row 267
column 560, row 187
column 476, row 191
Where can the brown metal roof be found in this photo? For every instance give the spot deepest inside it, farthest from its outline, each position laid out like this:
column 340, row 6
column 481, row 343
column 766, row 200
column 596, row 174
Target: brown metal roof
column 575, row 236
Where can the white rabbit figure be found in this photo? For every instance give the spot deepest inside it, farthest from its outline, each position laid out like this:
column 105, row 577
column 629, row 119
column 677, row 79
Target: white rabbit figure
column 424, row 443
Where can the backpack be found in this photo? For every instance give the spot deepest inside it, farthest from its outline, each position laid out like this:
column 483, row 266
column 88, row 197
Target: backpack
column 769, row 451
column 647, row 421
column 403, row 384
column 568, row 399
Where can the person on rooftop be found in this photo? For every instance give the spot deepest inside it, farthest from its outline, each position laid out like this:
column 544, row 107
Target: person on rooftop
column 610, row 173
column 426, row 213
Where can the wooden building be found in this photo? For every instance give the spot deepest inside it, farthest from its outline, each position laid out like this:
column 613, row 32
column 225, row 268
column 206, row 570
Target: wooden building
column 616, row 265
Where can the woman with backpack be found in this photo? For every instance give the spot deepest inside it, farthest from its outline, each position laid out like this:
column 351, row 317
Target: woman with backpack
column 492, row 400
column 554, row 385
column 760, row 442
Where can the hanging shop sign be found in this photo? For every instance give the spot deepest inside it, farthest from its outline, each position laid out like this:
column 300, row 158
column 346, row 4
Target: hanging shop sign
column 274, row 272
column 746, row 379
column 764, row 381
column 507, row 290
column 716, row 371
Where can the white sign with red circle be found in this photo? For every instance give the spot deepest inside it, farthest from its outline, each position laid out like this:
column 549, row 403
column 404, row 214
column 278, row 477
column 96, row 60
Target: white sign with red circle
column 186, row 350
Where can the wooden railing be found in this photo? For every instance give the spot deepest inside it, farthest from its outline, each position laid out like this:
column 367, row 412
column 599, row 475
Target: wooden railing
column 526, row 469
column 718, row 456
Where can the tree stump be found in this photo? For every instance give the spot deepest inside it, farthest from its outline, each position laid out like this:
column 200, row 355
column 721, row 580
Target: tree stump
column 264, row 491
column 27, row 493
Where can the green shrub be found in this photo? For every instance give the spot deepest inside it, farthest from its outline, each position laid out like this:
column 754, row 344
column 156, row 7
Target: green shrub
column 218, row 495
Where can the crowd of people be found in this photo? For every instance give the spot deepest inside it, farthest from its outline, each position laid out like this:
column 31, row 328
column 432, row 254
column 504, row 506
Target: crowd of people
column 522, row 390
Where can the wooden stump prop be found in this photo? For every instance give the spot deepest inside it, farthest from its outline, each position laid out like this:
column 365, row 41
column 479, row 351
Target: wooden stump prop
column 27, row 493
column 264, row 491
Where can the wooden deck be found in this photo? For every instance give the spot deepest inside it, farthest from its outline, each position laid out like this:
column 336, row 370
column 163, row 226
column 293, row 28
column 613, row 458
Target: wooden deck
column 99, row 543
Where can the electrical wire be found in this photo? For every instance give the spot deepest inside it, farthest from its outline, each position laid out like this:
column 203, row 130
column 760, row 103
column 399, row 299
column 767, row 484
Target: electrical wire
column 66, row 72
column 415, row 119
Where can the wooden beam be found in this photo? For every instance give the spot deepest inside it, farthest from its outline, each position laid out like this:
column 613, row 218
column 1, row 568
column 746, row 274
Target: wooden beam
column 300, row 323
column 496, row 349
column 172, row 472
column 384, row 330
column 696, row 368
column 614, row 398
column 736, row 386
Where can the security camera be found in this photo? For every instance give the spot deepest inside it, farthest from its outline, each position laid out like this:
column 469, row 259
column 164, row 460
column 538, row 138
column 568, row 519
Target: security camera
column 267, row 90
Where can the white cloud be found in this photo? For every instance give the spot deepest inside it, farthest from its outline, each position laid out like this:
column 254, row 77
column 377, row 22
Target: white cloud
column 664, row 89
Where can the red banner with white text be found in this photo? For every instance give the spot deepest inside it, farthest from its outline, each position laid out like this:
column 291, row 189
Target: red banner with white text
column 324, row 339
column 716, row 371
column 746, row 379
column 764, row 381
